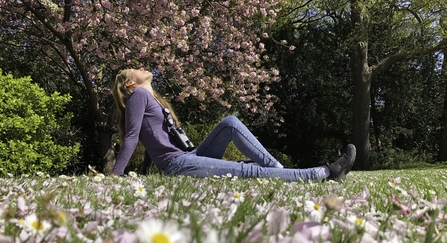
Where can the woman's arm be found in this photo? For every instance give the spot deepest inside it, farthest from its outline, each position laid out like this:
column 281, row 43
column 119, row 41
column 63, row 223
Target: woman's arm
column 135, row 107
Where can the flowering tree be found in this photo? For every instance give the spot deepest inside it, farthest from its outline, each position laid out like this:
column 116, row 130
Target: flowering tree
column 210, row 50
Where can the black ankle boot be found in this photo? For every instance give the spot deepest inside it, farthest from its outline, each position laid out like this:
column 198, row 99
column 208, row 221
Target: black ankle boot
column 340, row 168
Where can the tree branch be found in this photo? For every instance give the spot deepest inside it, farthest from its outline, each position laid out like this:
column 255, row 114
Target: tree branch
column 405, row 55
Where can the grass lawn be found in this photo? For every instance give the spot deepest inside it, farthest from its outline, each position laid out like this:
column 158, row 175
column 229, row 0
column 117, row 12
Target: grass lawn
column 373, row 206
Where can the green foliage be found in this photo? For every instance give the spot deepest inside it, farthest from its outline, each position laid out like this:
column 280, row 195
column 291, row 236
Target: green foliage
column 30, row 118
column 314, row 95
column 395, row 158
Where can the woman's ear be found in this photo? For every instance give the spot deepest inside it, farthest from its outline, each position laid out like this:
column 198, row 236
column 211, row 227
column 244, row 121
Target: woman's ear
column 129, row 84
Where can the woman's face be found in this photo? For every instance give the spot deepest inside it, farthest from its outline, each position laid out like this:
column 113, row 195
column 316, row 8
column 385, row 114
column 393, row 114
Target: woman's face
column 140, row 76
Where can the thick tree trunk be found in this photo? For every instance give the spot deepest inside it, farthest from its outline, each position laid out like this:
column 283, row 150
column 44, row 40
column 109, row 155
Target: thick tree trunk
column 361, row 77
column 361, row 109
column 442, row 155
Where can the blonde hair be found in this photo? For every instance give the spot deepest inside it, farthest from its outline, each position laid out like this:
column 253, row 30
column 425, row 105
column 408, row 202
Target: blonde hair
column 120, row 94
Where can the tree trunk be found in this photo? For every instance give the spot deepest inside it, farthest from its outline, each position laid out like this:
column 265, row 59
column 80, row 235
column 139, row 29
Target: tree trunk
column 107, row 151
column 442, row 155
column 105, row 132
column 361, row 115
column 361, row 77
column 376, row 122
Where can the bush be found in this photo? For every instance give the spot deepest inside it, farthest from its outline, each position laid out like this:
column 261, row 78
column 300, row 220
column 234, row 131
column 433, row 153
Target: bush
column 29, row 118
column 395, row 158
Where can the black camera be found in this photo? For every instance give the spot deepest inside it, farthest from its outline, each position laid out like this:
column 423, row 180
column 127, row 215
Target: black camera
column 180, row 136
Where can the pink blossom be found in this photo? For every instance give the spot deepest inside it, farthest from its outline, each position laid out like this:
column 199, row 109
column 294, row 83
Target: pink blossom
column 278, row 221
column 404, row 209
column 195, row 12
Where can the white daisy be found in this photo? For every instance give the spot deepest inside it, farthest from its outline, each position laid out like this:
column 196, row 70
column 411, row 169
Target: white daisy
column 263, row 181
column 238, row 197
column 332, row 202
column 315, row 210
column 140, row 191
column 62, row 218
column 362, row 224
column 97, row 178
column 36, row 226
column 132, row 174
column 18, row 222
column 156, row 231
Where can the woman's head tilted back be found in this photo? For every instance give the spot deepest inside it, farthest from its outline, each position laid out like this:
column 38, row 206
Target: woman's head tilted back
column 124, row 85
column 119, row 91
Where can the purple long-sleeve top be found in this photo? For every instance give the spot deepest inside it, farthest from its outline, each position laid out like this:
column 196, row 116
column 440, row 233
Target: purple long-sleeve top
column 145, row 121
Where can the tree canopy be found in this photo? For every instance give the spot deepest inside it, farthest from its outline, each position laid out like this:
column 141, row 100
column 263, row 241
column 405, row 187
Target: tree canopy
column 209, row 51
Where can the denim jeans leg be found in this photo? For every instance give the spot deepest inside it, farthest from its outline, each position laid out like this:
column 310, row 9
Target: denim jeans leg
column 198, row 166
column 232, row 129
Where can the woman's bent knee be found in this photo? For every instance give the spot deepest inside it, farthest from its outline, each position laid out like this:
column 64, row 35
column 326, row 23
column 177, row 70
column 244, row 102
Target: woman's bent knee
column 230, row 120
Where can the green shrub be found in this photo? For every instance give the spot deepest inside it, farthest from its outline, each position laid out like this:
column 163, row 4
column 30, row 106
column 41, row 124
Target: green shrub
column 395, row 158
column 29, row 118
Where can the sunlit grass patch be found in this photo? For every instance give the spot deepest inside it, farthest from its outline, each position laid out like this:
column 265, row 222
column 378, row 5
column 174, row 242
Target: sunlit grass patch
column 375, row 206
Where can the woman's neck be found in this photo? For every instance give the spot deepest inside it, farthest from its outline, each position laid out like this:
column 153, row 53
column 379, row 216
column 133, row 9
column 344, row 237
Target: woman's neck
column 147, row 86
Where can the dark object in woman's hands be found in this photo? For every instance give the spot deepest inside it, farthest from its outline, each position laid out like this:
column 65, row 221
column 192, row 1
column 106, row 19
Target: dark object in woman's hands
column 182, row 139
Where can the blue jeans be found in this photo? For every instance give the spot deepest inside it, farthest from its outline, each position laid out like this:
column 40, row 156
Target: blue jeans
column 207, row 161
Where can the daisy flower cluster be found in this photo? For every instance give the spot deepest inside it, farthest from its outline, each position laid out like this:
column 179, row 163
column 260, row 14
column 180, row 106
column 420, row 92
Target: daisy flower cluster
column 385, row 206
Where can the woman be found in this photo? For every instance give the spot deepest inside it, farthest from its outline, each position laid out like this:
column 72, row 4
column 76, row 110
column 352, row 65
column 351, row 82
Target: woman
column 142, row 119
